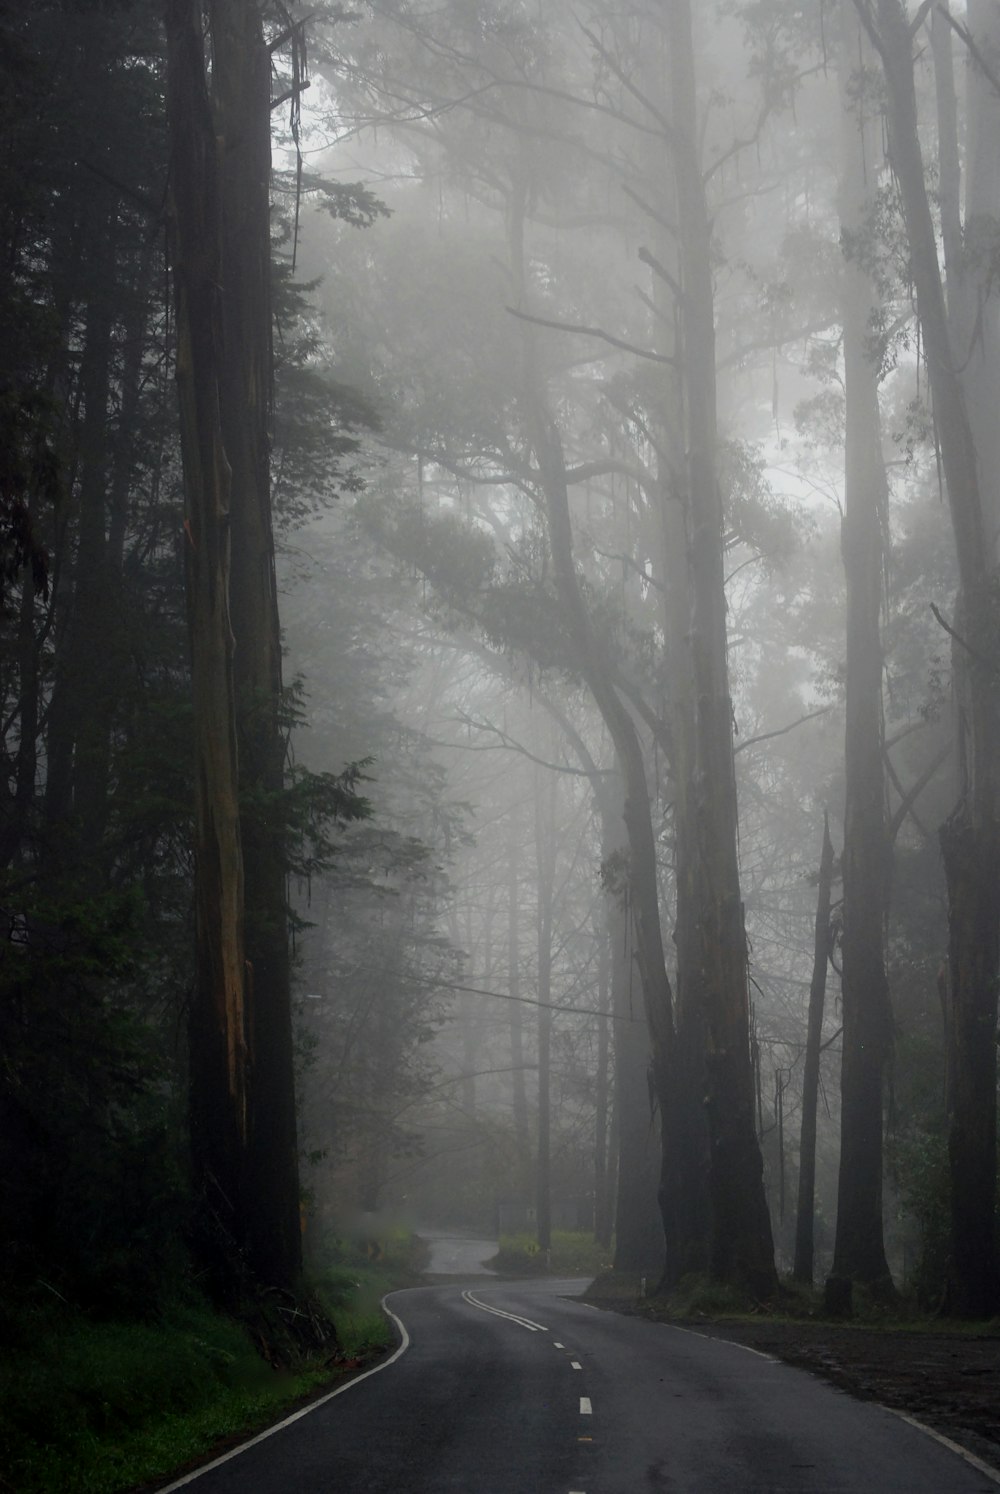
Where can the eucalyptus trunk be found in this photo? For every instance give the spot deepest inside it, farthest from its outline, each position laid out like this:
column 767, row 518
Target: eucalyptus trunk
column 741, row 1248
column 241, row 96
column 859, row 1251
column 805, row 1216
column 969, row 838
column 219, row 1067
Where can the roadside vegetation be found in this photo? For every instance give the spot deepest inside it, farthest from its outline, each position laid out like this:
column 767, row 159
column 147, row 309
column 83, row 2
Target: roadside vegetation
column 96, row 1407
column 572, row 1253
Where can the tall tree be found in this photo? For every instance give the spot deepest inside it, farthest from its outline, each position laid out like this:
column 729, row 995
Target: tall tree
column 859, row 1252
column 805, row 1215
column 242, row 1084
column 741, row 1247
column 970, row 838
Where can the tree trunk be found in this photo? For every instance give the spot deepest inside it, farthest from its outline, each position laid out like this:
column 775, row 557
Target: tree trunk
column 969, row 839
column 805, row 1218
column 603, row 1195
column 594, row 667
column 521, row 1141
column 545, row 804
column 859, row 1252
column 219, row 1081
column 639, row 1226
column 241, row 98
column 741, row 1246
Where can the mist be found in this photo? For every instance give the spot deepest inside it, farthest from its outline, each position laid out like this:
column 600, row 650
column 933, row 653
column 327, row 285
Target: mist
column 499, row 508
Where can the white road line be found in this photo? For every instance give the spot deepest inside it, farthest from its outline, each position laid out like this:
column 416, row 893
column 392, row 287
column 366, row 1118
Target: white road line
column 279, row 1426
column 573, row 1364
column 955, row 1447
column 586, row 1409
column 558, row 1346
column 498, row 1312
column 968, row 1457
column 715, row 1339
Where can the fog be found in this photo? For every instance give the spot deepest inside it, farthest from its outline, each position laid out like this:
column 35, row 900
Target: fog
column 463, row 548
column 523, row 320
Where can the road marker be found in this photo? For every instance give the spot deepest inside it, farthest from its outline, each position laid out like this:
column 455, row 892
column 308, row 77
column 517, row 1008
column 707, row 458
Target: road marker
column 498, row 1312
column 955, row 1447
column 559, row 1346
column 573, row 1364
column 586, row 1409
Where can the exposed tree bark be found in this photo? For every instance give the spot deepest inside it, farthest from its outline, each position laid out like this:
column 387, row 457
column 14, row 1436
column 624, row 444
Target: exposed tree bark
column 242, row 1082
column 241, row 98
column 805, row 1217
column 859, row 1251
column 219, row 1082
column 969, row 838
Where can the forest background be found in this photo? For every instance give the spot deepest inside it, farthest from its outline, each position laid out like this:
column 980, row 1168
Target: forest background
column 604, row 400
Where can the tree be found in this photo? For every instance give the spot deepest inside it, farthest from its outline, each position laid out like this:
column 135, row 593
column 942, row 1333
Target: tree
column 859, row 1253
column 806, row 1203
column 242, row 1084
column 970, row 841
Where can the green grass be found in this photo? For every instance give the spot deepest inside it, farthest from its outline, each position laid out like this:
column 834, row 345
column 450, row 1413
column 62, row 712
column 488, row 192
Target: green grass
column 99, row 1407
column 573, row 1253
column 90, row 1408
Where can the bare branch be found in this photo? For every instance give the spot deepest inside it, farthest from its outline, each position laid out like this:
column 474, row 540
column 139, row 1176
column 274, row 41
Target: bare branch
column 986, row 663
column 616, row 342
column 908, row 799
column 782, row 731
column 863, row 9
column 627, row 84
column 661, row 270
column 592, row 332
column 920, row 17
column 975, row 51
column 650, row 211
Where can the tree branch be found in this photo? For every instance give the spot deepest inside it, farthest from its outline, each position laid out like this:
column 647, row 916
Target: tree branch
column 975, row 51
column 979, row 658
column 908, row 799
column 782, row 731
column 616, row 342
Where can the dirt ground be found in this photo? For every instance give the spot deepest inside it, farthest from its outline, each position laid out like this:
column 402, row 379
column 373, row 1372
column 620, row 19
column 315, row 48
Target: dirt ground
column 950, row 1381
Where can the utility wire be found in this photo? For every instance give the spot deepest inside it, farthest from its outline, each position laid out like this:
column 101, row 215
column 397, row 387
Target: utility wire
column 444, row 985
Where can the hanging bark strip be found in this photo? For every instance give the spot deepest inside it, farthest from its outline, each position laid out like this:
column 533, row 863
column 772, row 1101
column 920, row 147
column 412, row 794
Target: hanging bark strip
column 241, row 103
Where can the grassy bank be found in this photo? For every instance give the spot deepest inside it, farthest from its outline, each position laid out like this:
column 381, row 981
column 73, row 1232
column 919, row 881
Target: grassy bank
column 100, row 1407
column 573, row 1253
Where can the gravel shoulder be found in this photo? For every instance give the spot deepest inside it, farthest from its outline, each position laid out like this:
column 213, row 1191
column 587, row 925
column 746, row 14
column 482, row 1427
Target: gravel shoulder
column 949, row 1381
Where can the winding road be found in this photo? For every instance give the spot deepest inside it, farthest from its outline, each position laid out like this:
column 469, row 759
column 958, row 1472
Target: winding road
column 517, row 1388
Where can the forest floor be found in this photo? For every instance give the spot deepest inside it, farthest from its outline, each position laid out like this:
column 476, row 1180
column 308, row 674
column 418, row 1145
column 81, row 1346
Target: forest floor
column 950, row 1381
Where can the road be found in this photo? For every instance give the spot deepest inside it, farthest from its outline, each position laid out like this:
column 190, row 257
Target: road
column 515, row 1388
column 457, row 1255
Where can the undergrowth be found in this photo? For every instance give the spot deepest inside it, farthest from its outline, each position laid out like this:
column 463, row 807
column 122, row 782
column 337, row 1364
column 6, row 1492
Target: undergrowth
column 573, row 1253
column 92, row 1407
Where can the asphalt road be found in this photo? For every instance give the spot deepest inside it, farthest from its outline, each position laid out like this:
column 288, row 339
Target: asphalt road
column 457, row 1255
column 510, row 1388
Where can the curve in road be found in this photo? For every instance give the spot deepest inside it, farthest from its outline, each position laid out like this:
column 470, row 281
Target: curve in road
column 519, row 1388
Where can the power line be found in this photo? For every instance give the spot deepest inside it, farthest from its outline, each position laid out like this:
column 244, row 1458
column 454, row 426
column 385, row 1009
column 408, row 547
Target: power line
column 444, row 985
